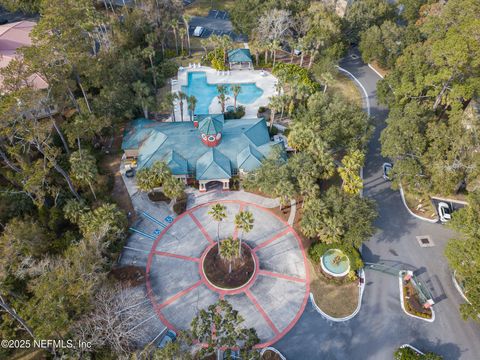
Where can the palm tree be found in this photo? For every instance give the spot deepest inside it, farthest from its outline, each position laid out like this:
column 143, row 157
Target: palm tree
column 181, row 96
column 149, row 53
column 255, row 48
column 218, row 213
column 186, row 20
column 229, row 251
column 225, row 42
column 170, row 101
column 350, row 172
column 244, row 222
column 276, row 103
column 174, row 25
column 192, row 102
column 182, row 39
column 143, row 96
column 274, row 46
column 222, row 96
column 236, row 89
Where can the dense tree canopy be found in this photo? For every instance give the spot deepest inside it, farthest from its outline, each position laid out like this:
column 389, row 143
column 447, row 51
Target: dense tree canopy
column 463, row 254
column 432, row 92
column 338, row 217
column 362, row 14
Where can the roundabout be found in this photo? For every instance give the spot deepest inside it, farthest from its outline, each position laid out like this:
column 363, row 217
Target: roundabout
column 269, row 289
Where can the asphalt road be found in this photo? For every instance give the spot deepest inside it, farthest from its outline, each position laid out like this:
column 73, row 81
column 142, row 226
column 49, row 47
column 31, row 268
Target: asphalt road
column 381, row 326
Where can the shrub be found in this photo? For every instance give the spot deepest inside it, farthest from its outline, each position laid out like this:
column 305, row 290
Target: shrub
column 273, row 131
column 238, row 114
column 262, row 109
column 407, row 353
column 317, row 250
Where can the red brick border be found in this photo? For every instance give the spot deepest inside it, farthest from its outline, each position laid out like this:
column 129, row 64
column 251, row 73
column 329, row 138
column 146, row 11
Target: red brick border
column 244, row 289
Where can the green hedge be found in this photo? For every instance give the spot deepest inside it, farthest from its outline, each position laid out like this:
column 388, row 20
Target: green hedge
column 410, row 354
column 317, row 250
column 235, row 114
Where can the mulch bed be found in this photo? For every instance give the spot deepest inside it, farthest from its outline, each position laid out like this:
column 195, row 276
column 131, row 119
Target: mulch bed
column 270, row 355
column 216, row 269
column 158, row 196
column 412, row 303
column 131, row 275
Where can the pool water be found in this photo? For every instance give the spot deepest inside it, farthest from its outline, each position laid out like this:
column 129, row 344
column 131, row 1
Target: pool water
column 335, row 267
column 198, row 86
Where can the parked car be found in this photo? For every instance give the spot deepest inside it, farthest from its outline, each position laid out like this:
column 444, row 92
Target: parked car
column 387, row 170
column 170, row 336
column 297, row 52
column 198, row 31
column 444, row 211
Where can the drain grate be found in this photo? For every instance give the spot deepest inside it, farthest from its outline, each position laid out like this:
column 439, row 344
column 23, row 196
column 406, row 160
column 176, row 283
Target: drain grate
column 425, row 241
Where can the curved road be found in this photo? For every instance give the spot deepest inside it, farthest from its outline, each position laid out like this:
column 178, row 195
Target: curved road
column 381, row 325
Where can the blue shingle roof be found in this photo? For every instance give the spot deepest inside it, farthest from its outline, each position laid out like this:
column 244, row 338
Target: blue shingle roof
column 211, row 125
column 213, row 165
column 239, row 55
column 249, row 158
column 258, row 133
column 176, row 162
column 179, row 144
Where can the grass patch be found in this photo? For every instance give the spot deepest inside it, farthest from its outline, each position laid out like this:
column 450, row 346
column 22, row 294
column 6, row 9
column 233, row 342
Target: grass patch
column 185, row 60
column 420, row 204
column 335, row 299
column 202, row 7
column 345, row 87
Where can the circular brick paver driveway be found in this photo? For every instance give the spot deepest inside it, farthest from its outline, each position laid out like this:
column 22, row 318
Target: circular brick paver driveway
column 271, row 302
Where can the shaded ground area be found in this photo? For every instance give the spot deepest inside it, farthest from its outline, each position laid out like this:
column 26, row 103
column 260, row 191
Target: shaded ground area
column 110, row 165
column 203, row 7
column 337, row 300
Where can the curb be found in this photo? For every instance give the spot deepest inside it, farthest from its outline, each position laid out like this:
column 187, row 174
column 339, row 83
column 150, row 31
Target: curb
column 432, row 221
column 367, row 100
column 352, row 315
column 376, row 71
column 273, row 350
column 400, row 284
column 458, row 288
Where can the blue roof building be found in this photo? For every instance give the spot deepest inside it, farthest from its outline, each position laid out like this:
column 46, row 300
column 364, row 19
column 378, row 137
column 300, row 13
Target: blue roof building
column 207, row 149
column 239, row 58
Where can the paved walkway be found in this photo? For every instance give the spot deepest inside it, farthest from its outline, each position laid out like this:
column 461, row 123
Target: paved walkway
column 272, row 302
column 196, row 198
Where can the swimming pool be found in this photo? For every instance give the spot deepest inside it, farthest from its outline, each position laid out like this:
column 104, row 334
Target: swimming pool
column 198, row 86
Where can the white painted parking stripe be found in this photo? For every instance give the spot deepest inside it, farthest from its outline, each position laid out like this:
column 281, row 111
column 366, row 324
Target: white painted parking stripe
column 134, row 249
column 132, row 306
column 142, row 322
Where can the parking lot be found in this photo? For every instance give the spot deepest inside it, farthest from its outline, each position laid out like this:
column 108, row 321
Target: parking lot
column 216, row 23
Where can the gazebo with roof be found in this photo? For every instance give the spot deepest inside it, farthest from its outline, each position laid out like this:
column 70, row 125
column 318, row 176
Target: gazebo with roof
column 239, row 59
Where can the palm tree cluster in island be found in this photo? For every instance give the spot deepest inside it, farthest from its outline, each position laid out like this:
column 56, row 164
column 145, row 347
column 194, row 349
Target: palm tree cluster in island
column 230, row 249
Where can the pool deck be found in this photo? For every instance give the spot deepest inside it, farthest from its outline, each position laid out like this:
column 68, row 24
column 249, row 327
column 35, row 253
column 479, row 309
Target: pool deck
column 266, row 82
